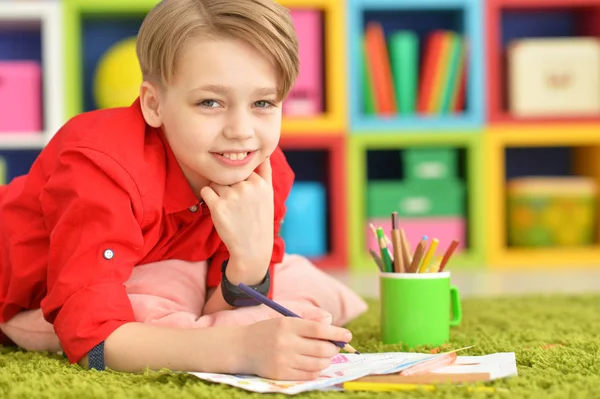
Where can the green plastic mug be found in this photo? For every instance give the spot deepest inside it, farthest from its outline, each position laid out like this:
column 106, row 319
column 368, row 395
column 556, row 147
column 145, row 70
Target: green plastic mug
column 418, row 308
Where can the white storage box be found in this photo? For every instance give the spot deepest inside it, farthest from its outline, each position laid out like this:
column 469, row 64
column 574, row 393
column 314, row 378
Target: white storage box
column 554, row 77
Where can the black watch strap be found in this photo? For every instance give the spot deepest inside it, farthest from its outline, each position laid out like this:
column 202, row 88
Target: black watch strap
column 238, row 298
column 96, row 357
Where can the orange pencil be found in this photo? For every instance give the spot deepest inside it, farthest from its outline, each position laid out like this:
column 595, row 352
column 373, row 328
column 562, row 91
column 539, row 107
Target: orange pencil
column 447, row 255
column 416, row 260
column 427, row 366
column 399, row 266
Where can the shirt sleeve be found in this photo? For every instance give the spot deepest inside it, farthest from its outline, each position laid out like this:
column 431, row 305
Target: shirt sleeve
column 93, row 211
column 283, row 180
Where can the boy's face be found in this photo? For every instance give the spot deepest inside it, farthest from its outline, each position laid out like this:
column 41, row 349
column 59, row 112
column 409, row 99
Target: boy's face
column 220, row 113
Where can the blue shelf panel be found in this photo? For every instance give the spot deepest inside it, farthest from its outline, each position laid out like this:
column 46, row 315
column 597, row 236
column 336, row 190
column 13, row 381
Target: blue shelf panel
column 409, row 4
column 410, row 124
column 421, row 17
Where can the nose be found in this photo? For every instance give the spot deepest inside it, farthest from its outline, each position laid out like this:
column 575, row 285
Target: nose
column 238, row 125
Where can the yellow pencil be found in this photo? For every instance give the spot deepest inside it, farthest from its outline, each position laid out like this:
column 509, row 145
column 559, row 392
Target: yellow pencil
column 383, row 387
column 436, row 266
column 429, row 255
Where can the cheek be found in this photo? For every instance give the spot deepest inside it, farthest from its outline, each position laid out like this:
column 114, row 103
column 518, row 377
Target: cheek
column 271, row 133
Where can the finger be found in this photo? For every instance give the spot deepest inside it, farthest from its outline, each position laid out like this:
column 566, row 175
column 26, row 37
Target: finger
column 317, row 348
column 264, row 170
column 310, row 364
column 312, row 329
column 309, row 312
column 209, row 196
column 219, row 189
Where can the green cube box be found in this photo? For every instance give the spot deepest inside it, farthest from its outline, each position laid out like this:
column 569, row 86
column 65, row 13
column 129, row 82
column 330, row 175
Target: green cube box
column 416, row 198
column 430, row 163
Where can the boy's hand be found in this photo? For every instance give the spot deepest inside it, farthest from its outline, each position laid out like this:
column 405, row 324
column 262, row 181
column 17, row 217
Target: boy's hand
column 289, row 348
column 243, row 215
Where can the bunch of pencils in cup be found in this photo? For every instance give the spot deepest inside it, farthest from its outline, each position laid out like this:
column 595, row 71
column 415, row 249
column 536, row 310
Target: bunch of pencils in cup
column 400, row 258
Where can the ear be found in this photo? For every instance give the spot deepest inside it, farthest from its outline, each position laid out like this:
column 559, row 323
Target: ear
column 150, row 102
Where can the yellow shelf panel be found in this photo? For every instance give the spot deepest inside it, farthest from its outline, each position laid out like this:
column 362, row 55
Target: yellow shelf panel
column 545, row 258
column 326, row 123
column 544, row 135
column 586, row 142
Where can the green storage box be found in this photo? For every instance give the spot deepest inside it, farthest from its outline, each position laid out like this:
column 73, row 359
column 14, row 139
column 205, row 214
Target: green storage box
column 416, row 198
column 430, row 163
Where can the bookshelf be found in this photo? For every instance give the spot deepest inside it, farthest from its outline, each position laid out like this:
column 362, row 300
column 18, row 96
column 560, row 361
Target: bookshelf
column 36, row 27
column 422, row 18
column 342, row 141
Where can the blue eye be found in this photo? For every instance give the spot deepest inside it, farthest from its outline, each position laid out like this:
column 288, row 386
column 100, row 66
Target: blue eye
column 208, row 103
column 264, row 104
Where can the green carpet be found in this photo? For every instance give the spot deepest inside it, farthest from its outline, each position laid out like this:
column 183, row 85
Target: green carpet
column 555, row 340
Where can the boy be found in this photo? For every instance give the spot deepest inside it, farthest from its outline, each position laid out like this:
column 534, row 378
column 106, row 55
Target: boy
column 190, row 172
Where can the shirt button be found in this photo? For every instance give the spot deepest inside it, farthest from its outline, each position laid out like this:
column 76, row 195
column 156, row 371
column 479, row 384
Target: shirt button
column 108, row 254
column 193, row 208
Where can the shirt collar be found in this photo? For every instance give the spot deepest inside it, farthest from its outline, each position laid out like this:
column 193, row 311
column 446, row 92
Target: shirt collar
column 179, row 195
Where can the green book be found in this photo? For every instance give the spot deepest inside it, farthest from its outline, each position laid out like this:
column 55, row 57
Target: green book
column 404, row 60
column 368, row 100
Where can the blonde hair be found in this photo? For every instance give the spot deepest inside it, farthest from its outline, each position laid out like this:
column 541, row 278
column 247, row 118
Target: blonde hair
column 171, row 24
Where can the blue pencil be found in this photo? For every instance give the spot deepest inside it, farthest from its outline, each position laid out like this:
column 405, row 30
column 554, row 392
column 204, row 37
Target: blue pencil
column 288, row 313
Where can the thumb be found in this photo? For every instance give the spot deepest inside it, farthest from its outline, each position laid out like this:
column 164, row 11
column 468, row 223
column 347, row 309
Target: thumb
column 264, row 170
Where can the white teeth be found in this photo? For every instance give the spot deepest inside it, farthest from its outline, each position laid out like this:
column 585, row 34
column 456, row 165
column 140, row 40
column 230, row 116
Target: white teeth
column 234, row 156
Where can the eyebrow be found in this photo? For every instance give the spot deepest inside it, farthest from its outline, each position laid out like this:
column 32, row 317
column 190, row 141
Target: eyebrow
column 223, row 90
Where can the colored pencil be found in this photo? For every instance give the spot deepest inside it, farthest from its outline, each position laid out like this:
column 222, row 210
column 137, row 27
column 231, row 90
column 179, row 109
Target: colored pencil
column 397, row 245
column 448, row 254
column 377, row 259
column 286, row 312
column 416, row 260
column 427, row 366
column 429, row 255
column 406, row 254
column 387, row 387
column 385, row 254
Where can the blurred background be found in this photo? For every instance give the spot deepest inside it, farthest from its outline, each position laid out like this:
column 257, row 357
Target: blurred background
column 475, row 120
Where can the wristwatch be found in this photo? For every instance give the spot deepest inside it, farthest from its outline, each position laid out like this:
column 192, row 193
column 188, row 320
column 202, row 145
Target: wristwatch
column 238, row 298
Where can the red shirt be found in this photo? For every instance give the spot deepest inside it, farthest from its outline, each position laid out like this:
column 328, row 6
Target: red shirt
column 106, row 194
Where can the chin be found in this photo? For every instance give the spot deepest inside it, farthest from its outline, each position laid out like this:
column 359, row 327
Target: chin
column 231, row 178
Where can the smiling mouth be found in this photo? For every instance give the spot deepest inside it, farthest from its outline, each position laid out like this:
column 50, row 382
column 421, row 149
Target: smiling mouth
column 234, row 156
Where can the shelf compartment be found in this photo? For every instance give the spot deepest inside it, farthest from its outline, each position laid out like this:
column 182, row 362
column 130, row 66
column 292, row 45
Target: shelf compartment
column 36, row 28
column 551, row 152
column 421, row 18
column 509, row 20
column 323, row 159
column 469, row 143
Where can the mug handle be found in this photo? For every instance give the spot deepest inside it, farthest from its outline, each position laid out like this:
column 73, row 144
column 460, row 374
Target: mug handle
column 456, row 308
